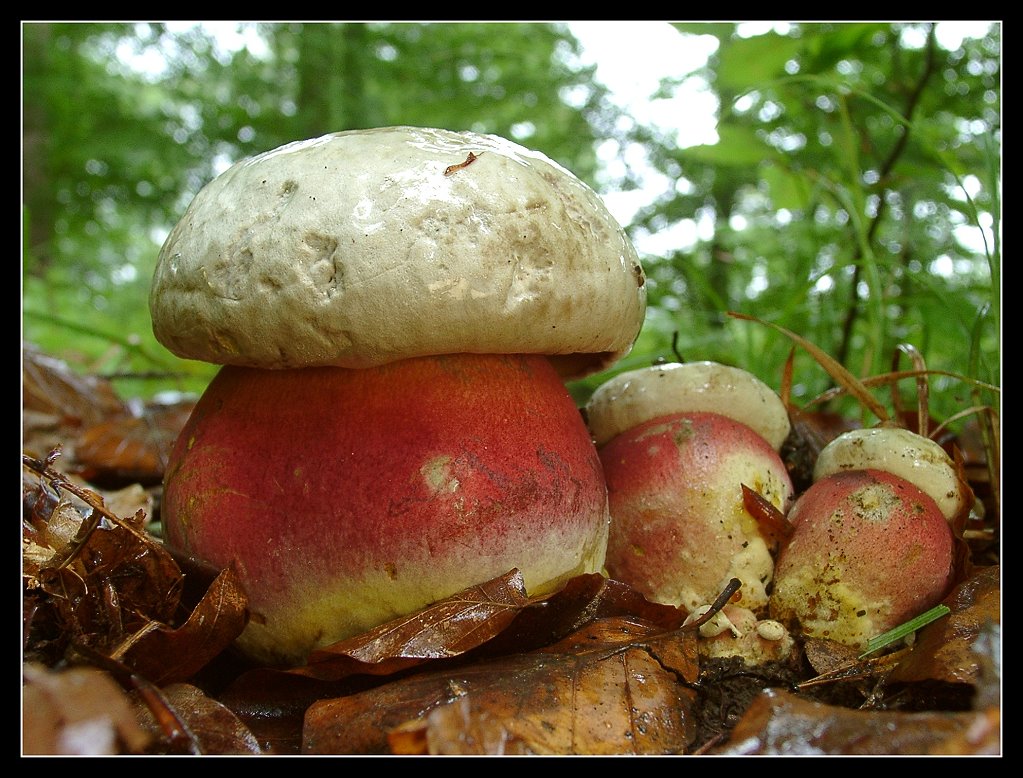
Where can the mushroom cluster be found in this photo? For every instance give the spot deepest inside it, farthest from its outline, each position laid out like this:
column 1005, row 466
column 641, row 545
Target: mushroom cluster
column 397, row 311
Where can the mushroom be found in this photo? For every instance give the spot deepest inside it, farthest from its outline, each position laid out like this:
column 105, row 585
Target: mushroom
column 868, row 551
column 901, row 452
column 872, row 543
column 678, row 442
column 397, row 311
column 737, row 632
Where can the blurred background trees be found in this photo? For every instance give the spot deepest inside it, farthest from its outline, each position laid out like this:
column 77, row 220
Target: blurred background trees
column 851, row 196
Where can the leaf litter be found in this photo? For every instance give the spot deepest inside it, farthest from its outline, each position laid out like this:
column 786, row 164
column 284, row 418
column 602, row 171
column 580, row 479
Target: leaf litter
column 127, row 647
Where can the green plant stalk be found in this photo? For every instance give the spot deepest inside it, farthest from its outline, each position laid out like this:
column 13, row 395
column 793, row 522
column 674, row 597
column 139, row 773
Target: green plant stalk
column 127, row 344
column 856, row 205
column 907, row 628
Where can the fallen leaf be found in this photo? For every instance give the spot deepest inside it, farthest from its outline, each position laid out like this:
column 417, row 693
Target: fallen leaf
column 491, row 619
column 81, row 711
column 607, row 690
column 213, row 730
column 105, row 585
column 944, row 650
column 456, row 729
column 50, row 386
column 445, row 629
column 165, row 655
column 272, row 703
column 781, row 723
column 126, row 449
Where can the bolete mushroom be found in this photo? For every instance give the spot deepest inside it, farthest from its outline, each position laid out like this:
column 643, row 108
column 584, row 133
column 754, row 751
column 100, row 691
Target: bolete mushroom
column 397, row 311
column 678, row 442
column 872, row 543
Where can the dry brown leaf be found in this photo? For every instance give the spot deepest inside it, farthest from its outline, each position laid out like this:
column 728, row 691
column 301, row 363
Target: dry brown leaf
column 129, row 500
column 782, row 723
column 50, row 386
column 131, row 448
column 607, row 690
column 81, row 711
column 109, row 587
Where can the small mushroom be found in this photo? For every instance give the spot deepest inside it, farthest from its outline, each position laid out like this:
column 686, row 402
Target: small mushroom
column 397, row 311
column 636, row 396
column 872, row 545
column 869, row 550
column 678, row 442
column 754, row 641
column 901, row 452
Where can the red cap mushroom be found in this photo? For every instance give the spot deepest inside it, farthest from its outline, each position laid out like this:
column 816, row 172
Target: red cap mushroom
column 872, row 544
column 397, row 311
column 677, row 443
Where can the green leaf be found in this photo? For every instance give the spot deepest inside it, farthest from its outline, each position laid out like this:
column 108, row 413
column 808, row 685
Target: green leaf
column 845, row 41
column 750, row 62
column 789, row 189
column 736, row 147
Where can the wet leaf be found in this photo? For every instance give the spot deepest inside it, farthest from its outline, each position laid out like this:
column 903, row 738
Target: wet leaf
column 165, row 655
column 447, row 628
column 772, row 522
column 103, row 584
column 612, row 688
column 584, row 599
column 272, row 703
column 111, row 585
column 51, row 387
column 211, row 727
column 782, row 723
column 491, row 619
column 945, row 650
column 456, row 729
column 81, row 711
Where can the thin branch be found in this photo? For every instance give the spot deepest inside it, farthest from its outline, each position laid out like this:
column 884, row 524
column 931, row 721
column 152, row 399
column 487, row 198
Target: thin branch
column 852, row 312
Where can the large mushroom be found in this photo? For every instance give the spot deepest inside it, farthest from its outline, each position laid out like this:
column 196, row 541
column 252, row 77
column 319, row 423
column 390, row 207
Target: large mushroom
column 397, row 311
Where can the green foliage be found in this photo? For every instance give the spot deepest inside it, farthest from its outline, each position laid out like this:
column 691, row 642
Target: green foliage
column 856, row 167
column 113, row 155
column 839, row 191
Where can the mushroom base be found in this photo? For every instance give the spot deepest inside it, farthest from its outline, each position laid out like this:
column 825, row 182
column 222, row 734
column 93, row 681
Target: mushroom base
column 346, row 498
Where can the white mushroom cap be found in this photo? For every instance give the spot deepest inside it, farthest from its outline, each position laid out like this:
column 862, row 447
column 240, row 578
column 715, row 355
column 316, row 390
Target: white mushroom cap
column 900, row 452
column 635, row 396
column 364, row 247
